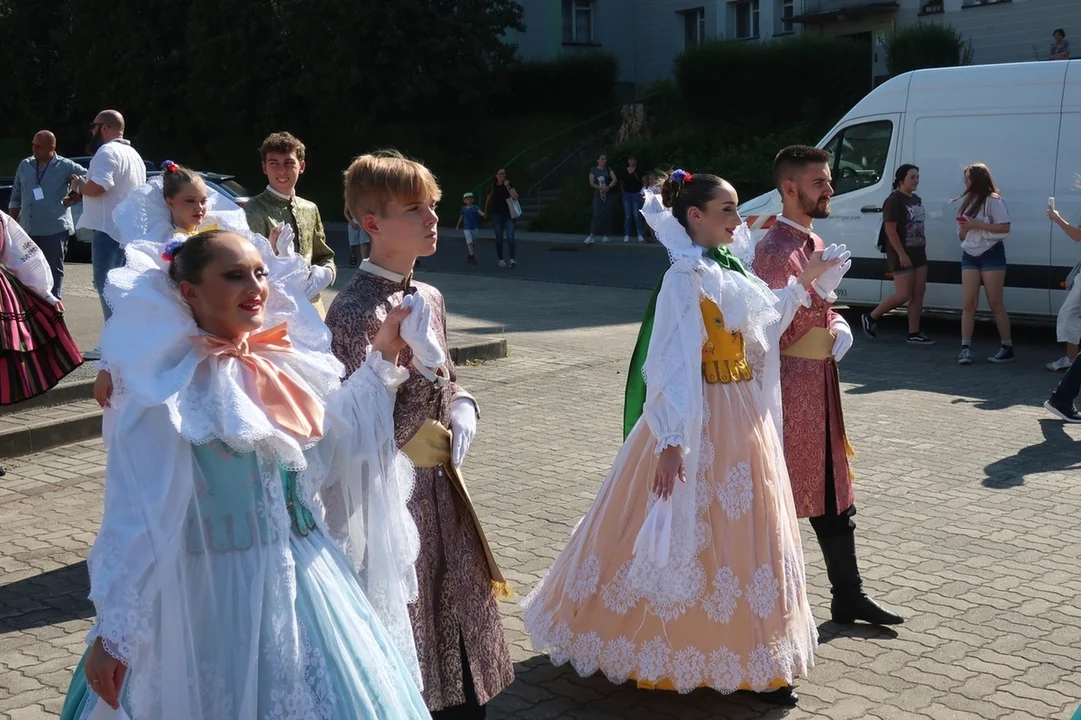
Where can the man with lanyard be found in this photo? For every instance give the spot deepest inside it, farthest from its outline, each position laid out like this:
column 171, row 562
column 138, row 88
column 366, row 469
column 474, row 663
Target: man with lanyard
column 816, row 448
column 42, row 182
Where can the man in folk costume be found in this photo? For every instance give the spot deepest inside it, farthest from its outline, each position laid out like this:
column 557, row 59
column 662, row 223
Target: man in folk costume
column 816, row 449
column 463, row 655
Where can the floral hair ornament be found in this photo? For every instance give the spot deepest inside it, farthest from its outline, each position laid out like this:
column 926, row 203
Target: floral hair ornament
column 170, row 167
column 681, row 178
column 171, row 247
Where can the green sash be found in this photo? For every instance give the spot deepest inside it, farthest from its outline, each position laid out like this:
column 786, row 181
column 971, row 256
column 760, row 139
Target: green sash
column 635, row 396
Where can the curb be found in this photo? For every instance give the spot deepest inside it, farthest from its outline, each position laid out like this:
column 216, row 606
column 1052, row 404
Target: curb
column 36, row 437
column 39, row 436
column 59, row 395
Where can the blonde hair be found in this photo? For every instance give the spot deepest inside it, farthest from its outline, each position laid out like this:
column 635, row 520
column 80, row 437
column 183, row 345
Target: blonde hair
column 376, row 179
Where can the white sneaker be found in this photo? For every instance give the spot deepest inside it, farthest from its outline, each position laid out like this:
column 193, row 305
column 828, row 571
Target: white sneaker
column 502, row 264
column 626, row 238
column 589, row 240
column 604, row 239
column 1060, row 365
column 93, row 355
column 641, row 239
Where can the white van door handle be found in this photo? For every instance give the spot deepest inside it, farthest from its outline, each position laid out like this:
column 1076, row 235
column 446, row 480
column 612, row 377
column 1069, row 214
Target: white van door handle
column 871, row 209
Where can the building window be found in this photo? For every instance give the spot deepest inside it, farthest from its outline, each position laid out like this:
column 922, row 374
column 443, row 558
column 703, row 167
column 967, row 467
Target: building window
column 578, row 21
column 694, row 27
column 746, row 19
column 788, row 10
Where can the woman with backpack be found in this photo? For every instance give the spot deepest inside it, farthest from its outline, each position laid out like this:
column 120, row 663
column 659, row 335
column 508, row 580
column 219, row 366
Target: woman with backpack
column 904, row 241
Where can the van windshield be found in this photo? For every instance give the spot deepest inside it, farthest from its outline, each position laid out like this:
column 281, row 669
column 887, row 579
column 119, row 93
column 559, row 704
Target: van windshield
column 858, row 155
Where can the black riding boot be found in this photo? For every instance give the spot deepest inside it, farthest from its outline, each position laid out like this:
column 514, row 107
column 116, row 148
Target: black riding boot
column 850, row 603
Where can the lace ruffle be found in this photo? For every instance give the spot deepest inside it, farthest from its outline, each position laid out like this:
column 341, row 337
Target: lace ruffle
column 143, row 214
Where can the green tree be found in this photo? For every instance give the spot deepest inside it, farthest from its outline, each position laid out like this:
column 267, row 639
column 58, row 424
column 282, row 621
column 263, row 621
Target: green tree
column 927, row 45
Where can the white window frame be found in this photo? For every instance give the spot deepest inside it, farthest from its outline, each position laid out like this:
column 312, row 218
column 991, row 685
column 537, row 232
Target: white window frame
column 754, row 29
column 786, row 24
column 573, row 7
column 698, row 17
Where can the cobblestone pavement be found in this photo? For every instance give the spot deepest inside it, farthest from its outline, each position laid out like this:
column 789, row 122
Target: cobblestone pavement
column 968, row 497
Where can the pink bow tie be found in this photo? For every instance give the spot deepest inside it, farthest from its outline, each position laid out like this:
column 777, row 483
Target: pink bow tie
column 291, row 406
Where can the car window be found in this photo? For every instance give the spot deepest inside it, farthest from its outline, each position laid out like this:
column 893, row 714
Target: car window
column 858, row 155
column 233, row 188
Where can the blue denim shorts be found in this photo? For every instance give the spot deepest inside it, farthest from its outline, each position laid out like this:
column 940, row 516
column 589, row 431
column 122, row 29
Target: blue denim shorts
column 992, row 259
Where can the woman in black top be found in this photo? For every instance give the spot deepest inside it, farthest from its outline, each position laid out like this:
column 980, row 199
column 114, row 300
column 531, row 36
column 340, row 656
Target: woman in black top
column 496, row 208
column 631, row 184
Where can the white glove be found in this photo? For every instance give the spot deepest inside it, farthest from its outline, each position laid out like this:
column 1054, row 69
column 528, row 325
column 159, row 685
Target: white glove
column 319, row 278
column 417, row 332
column 843, row 333
column 283, row 244
column 828, row 281
column 463, row 428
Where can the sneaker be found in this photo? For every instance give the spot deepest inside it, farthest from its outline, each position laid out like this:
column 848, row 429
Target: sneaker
column 513, row 264
column 1060, row 365
column 870, row 327
column 626, row 238
column 502, row 264
column 641, row 239
column 1004, row 355
column 93, row 355
column 965, row 358
column 589, row 240
column 919, row 339
column 604, row 239
column 471, row 259
column 1066, row 412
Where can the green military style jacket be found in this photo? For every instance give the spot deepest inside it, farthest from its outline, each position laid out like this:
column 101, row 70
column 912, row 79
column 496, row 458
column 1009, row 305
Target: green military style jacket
column 268, row 209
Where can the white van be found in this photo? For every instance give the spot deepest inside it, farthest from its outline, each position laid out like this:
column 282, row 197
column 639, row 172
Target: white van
column 1023, row 120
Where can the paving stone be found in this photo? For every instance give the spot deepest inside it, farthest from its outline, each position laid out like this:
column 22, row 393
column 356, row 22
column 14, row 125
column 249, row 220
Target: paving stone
column 968, row 496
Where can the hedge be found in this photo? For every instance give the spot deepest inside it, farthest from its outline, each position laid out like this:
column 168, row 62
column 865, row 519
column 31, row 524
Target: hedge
column 926, row 46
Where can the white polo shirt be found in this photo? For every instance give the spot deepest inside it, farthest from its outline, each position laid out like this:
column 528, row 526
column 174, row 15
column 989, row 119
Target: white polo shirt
column 118, row 168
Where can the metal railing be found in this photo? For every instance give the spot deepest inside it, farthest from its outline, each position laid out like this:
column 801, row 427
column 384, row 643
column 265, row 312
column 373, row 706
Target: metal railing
column 551, row 156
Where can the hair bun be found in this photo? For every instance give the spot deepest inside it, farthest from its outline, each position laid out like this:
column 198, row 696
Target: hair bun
column 169, row 166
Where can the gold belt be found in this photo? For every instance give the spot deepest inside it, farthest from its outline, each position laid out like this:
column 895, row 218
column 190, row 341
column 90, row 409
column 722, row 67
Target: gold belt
column 430, row 447
column 816, row 344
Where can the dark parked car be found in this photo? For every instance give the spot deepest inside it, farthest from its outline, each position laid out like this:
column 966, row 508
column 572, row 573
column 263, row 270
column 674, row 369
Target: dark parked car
column 5, row 192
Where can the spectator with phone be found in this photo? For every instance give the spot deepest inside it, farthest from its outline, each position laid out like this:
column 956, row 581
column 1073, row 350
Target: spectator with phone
column 982, row 224
column 1068, row 325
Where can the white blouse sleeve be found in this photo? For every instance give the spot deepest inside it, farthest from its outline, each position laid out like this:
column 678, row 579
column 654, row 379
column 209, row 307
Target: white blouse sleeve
column 24, row 259
column 673, row 362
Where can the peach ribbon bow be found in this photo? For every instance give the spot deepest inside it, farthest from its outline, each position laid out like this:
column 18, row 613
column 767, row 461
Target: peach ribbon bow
column 288, row 404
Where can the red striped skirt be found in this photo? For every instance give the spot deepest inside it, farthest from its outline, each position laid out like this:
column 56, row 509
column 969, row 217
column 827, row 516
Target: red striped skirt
column 36, row 349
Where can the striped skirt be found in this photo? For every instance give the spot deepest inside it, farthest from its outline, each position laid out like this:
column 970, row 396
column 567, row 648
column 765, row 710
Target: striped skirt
column 36, row 349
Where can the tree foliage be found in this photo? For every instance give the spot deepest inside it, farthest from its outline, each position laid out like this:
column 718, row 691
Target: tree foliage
column 185, row 72
column 927, row 45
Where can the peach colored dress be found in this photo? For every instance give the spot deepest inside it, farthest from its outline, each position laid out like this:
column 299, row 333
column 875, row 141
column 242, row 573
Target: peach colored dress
column 744, row 622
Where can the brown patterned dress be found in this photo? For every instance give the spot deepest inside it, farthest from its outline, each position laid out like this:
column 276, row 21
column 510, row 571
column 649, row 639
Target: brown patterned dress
column 457, row 615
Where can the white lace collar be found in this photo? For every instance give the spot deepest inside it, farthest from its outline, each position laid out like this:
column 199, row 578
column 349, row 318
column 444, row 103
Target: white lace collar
column 792, row 223
column 379, row 271
column 147, row 346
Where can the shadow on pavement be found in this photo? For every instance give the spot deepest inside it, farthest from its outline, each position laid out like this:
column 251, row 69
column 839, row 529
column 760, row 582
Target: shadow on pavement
column 47, row 599
column 830, row 631
column 543, row 690
column 1057, row 453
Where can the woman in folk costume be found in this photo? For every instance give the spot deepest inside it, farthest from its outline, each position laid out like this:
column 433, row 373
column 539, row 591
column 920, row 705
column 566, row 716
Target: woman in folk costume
column 175, row 205
column 255, row 557
column 687, row 571
column 36, row 350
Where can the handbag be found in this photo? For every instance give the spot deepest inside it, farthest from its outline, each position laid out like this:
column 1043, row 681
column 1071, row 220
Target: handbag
column 515, row 208
column 1072, row 277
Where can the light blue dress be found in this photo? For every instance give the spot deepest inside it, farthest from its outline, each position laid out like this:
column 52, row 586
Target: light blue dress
column 354, row 668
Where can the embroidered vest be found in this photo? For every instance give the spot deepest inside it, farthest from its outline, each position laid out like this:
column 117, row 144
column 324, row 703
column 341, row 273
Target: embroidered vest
column 723, row 357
